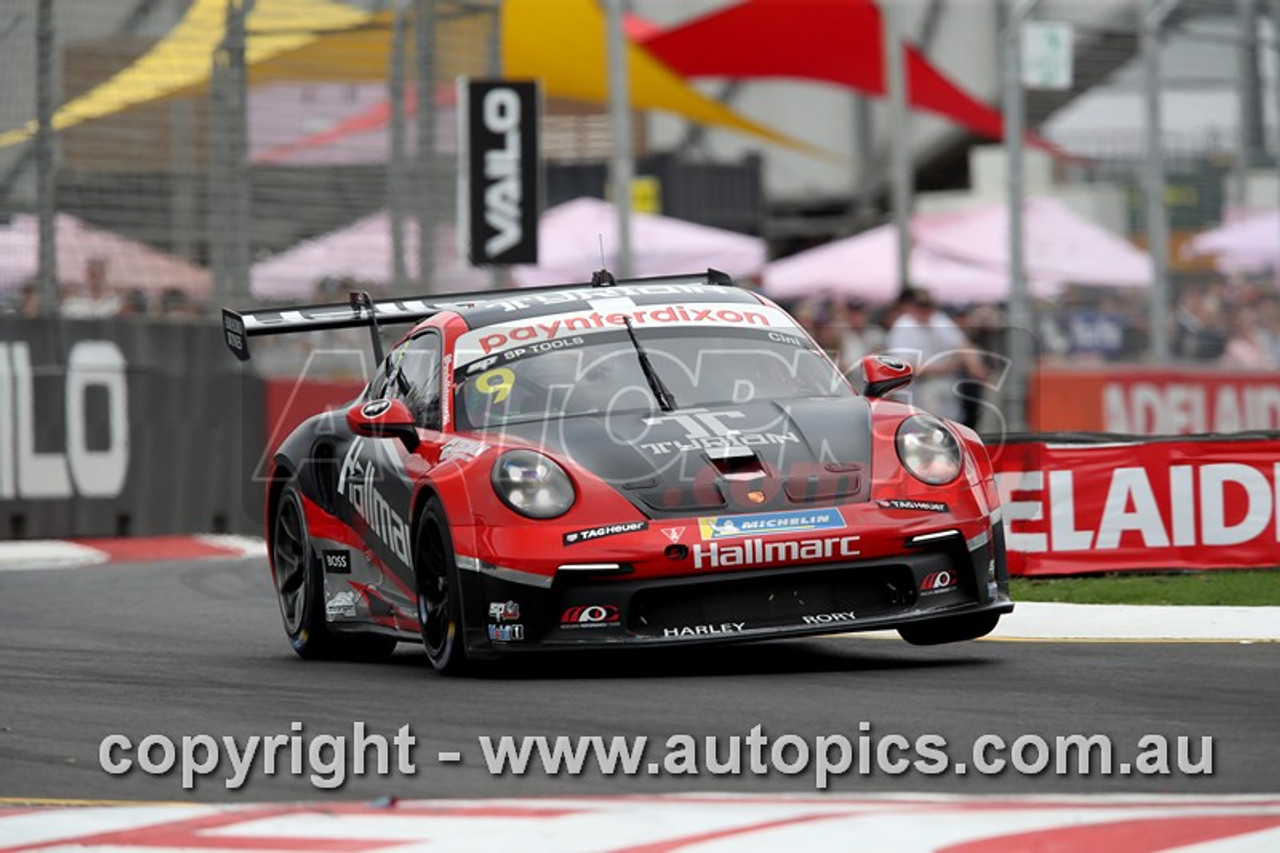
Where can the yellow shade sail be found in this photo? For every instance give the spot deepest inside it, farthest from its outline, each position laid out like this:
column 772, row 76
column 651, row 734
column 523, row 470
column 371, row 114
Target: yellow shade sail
column 180, row 63
column 562, row 44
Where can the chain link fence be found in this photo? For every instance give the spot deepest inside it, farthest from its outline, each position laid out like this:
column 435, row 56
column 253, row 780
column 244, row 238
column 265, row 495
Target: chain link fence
column 224, row 135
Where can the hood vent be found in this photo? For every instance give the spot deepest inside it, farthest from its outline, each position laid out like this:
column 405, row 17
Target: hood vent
column 736, row 463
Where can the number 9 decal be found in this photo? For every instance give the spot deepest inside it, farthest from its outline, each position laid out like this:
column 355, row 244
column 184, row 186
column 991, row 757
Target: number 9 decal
column 496, row 383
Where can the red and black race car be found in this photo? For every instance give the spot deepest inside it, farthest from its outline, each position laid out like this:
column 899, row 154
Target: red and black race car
column 640, row 463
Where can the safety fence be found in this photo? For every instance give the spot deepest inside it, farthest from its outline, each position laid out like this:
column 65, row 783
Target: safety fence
column 131, row 427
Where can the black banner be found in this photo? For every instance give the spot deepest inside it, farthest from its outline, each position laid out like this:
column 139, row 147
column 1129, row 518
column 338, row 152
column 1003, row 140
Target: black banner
column 500, row 169
column 120, row 426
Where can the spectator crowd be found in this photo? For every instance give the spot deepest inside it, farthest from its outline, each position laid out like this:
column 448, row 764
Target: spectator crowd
column 958, row 351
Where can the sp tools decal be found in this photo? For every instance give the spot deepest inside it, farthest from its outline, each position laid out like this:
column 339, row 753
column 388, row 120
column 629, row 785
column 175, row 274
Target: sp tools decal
column 914, row 506
column 770, row 523
column 504, row 611
column 336, row 562
column 591, row 616
column 592, row 533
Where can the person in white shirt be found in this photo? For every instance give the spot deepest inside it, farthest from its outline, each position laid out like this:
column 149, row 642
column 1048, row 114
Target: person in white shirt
column 937, row 349
column 98, row 301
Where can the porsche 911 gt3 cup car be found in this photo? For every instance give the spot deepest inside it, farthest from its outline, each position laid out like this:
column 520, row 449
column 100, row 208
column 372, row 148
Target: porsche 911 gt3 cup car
column 644, row 463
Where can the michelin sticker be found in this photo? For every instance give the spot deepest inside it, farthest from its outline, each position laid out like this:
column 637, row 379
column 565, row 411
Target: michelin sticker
column 770, row 523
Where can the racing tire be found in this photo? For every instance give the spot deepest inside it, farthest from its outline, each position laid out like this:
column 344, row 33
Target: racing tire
column 951, row 629
column 438, row 592
column 299, row 583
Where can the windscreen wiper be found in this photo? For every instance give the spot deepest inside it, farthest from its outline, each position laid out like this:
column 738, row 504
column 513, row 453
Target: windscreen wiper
column 666, row 400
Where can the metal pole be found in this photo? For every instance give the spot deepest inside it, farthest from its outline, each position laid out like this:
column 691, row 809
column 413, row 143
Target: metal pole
column 396, row 156
column 46, row 166
column 241, row 188
column 216, row 177
column 1246, row 92
column 1154, row 179
column 425, row 83
column 1275, row 92
column 182, row 201
column 497, row 272
column 900, row 149
column 622, row 165
column 1240, row 168
column 862, row 212
column 1021, row 352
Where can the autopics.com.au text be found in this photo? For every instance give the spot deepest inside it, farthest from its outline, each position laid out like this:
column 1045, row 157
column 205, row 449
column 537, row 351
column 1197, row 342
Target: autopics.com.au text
column 328, row 760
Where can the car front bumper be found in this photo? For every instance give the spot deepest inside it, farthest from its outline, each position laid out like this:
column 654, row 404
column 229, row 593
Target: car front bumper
column 941, row 577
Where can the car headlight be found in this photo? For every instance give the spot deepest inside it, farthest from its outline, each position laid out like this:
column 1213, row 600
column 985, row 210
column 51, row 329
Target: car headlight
column 532, row 484
column 929, row 450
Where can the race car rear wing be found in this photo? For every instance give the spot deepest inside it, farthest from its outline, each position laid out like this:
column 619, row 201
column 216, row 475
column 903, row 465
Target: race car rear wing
column 361, row 310
column 238, row 327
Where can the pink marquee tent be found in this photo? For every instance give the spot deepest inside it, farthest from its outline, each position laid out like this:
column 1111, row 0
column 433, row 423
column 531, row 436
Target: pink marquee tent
column 865, row 266
column 129, row 265
column 1060, row 245
column 1250, row 244
column 570, row 237
column 361, row 251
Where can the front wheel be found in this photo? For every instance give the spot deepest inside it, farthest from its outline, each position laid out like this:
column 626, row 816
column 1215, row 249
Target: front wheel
column 950, row 629
column 439, row 600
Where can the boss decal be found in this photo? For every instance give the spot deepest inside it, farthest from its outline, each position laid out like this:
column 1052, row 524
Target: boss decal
column 592, row 533
column 336, row 562
column 914, row 506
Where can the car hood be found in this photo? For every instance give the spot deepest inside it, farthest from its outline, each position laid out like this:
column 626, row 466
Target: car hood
column 730, row 458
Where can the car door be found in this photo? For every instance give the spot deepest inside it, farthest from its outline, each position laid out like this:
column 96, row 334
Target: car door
column 410, row 374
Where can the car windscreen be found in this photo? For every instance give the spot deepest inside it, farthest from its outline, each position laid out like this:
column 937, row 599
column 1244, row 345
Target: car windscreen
column 602, row 371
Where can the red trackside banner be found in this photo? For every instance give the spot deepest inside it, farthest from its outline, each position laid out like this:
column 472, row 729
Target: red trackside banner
column 1195, row 503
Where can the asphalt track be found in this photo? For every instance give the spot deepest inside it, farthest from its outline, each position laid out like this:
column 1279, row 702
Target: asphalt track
column 197, row 648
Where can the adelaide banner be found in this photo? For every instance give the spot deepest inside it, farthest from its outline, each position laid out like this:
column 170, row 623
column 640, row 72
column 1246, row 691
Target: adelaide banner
column 1154, row 401
column 1140, row 503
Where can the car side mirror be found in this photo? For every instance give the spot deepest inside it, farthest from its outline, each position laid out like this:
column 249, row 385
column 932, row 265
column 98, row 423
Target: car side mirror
column 883, row 373
column 384, row 419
